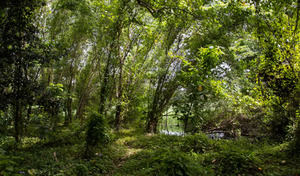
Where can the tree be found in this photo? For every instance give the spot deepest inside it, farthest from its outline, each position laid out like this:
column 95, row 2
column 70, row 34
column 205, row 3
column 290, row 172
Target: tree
column 22, row 55
column 165, row 81
column 70, row 26
column 277, row 67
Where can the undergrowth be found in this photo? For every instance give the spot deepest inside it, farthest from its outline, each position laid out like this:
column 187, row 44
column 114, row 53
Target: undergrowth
column 131, row 152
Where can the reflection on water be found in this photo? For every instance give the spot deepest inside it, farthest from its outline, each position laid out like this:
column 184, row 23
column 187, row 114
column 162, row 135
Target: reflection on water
column 174, row 133
column 216, row 135
column 171, row 126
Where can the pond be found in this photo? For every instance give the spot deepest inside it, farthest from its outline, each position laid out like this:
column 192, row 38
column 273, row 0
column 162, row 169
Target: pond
column 216, row 135
column 173, row 133
column 171, row 126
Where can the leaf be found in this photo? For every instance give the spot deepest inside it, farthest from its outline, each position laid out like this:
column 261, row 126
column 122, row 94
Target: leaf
column 32, row 172
column 200, row 88
column 10, row 168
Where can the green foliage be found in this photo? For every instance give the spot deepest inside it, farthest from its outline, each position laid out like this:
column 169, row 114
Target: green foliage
column 52, row 101
column 217, row 65
column 155, row 142
column 165, row 162
column 97, row 133
column 23, row 54
column 7, row 142
column 5, row 120
column 80, row 170
column 198, row 143
column 96, row 130
column 295, row 144
column 8, row 164
column 198, row 85
column 277, row 71
column 207, row 59
column 233, row 162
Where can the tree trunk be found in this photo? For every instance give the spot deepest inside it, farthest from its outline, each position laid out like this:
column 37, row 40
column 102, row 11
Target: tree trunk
column 297, row 138
column 167, row 124
column 17, row 102
column 152, row 126
column 185, row 121
column 18, row 120
column 80, row 108
column 120, row 99
column 118, row 117
column 68, row 118
column 103, row 89
column 152, row 123
column 29, row 109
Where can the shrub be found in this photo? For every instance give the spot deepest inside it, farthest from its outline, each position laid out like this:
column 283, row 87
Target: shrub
column 233, row 162
column 80, row 170
column 165, row 163
column 97, row 132
column 156, row 141
column 198, row 143
column 8, row 164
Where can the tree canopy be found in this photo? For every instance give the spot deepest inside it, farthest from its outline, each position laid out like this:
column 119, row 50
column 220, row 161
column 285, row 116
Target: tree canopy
column 92, row 69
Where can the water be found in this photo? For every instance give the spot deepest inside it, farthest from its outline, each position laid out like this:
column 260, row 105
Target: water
column 216, row 135
column 172, row 133
column 213, row 135
column 171, row 126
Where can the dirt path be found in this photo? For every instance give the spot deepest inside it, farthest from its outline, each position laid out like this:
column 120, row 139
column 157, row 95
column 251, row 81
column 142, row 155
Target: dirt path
column 126, row 150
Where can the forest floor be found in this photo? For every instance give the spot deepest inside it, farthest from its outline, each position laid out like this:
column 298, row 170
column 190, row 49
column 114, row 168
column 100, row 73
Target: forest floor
column 145, row 154
column 132, row 152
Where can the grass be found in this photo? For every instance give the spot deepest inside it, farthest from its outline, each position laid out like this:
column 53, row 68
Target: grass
column 131, row 152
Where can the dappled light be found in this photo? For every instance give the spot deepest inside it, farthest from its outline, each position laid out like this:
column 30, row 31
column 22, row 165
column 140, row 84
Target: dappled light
column 150, row 88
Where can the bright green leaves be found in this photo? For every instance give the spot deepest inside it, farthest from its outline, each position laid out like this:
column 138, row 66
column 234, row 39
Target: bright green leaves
column 199, row 85
column 97, row 133
column 208, row 58
column 202, row 65
column 8, row 164
column 218, row 87
column 55, row 89
column 276, row 65
column 275, row 69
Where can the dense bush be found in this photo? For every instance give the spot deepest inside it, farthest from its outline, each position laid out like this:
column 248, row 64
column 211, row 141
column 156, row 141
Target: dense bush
column 80, row 170
column 97, row 132
column 198, row 143
column 8, row 164
column 157, row 141
column 165, row 162
column 233, row 162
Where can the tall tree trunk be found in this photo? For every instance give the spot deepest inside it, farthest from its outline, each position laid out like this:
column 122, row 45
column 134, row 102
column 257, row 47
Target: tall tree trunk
column 80, row 108
column 119, row 97
column 297, row 138
column 68, row 118
column 118, row 116
column 17, row 100
column 103, row 89
column 29, row 109
column 152, row 115
column 17, row 120
column 104, row 85
column 152, row 123
column 185, row 121
column 167, row 124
